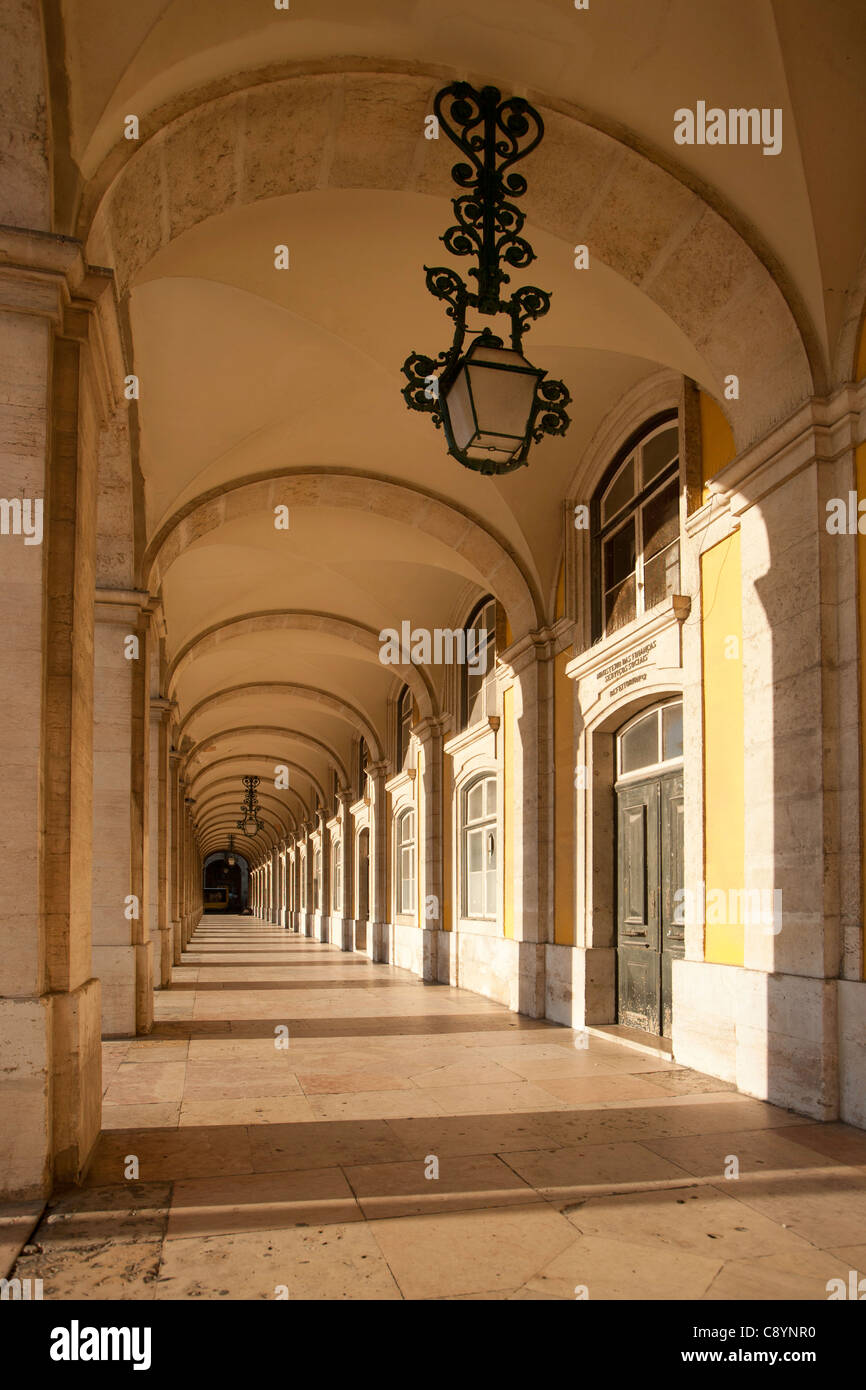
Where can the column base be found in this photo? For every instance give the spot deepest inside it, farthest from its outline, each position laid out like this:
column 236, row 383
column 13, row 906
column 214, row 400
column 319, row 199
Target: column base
column 580, row 985
column 380, row 935
column 852, row 1052
column 77, row 1091
column 776, row 1037
column 116, row 967
column 321, row 927
column 143, row 986
column 165, row 944
column 50, row 1102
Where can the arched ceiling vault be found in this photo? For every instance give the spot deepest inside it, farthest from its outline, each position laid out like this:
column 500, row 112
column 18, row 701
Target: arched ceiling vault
column 303, row 693
column 290, row 736
column 251, row 760
column 364, row 639
column 227, row 806
column 262, row 388
column 224, row 793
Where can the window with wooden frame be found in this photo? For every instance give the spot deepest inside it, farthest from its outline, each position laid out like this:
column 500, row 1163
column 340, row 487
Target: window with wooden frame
column 479, row 849
column 405, row 862
column 404, row 726
column 478, row 672
column 636, row 529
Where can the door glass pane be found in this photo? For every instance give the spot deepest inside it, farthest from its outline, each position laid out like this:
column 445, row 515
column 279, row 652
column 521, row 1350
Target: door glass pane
column 672, row 732
column 475, row 802
column 620, row 491
column 658, row 452
column 491, row 796
column 639, row 746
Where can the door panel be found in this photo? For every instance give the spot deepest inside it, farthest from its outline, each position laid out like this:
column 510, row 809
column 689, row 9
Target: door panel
column 649, row 875
column 639, row 982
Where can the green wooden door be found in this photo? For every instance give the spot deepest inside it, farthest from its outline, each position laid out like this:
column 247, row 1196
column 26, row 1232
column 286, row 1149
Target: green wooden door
column 649, row 872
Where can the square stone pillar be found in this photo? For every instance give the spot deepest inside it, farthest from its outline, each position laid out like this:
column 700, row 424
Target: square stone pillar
column 122, row 946
column 62, row 367
column 324, row 922
column 307, row 915
column 347, row 842
column 380, row 929
column 529, row 730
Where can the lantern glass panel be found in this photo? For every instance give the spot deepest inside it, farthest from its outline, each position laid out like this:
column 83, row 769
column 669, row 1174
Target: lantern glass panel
column 490, row 402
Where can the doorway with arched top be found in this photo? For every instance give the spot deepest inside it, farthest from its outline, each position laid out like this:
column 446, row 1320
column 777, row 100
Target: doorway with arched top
column 649, row 865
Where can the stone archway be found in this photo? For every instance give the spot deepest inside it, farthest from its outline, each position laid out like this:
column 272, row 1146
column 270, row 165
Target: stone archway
column 268, row 137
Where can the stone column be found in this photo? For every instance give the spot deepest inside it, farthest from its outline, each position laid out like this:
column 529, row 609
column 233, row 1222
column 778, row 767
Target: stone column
column 160, row 712
column 325, row 904
column 290, row 883
column 280, row 902
column 175, row 795
column 530, row 728
column 308, row 881
column 62, row 368
column 430, row 848
column 347, row 841
column 380, row 930
column 284, row 916
column 122, row 948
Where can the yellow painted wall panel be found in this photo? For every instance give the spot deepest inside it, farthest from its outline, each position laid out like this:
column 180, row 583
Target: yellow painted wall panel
column 724, row 774
column 717, row 440
column 563, row 784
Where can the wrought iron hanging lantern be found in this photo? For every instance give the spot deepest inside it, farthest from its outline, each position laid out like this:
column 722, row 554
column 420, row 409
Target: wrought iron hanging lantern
column 230, row 856
column 490, row 401
column 249, row 822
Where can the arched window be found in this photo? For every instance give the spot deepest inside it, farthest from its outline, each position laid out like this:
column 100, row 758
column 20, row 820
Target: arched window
column 478, row 672
column 405, row 861
column 479, row 857
column 651, row 741
column 404, row 725
column 317, row 881
column 337, row 902
column 636, row 530
column 363, row 759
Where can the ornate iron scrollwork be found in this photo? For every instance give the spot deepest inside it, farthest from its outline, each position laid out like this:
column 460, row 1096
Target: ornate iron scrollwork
column 493, row 135
column 250, row 805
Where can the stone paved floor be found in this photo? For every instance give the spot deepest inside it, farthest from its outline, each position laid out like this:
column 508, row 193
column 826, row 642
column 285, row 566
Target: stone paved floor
column 305, row 1168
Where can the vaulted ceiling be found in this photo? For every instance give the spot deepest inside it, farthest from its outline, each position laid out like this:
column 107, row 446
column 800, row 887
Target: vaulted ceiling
column 259, row 386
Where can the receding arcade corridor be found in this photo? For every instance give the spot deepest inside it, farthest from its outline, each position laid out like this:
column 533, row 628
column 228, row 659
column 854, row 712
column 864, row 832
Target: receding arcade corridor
column 309, row 1170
